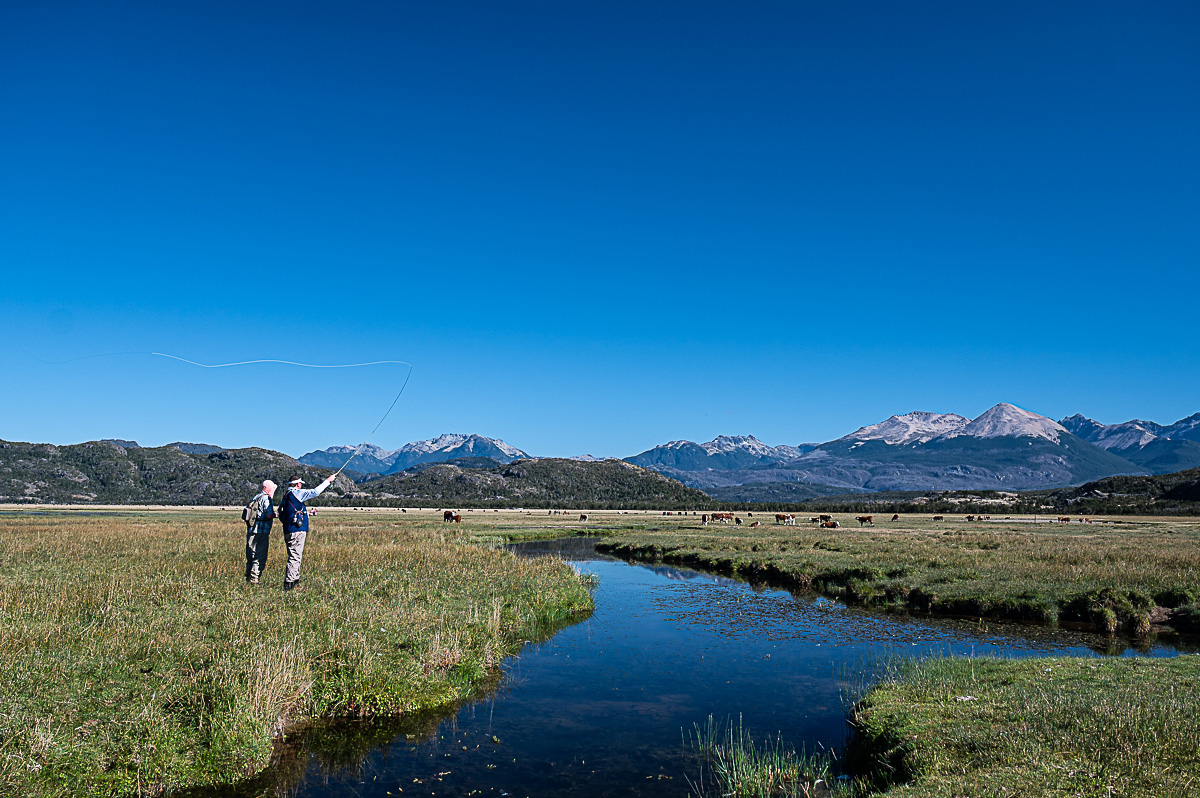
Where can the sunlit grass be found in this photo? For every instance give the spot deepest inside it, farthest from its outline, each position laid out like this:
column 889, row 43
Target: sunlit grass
column 134, row 657
column 1034, row 727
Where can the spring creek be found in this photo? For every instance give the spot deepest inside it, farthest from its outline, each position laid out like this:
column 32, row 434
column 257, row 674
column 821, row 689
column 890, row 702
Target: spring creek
column 609, row 706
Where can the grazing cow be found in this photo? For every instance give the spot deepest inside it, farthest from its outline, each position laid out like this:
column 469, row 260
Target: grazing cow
column 825, row 518
column 458, row 518
column 448, row 515
column 814, row 520
column 1064, row 519
column 830, row 525
column 737, row 521
column 865, row 519
column 970, row 518
column 754, row 524
column 583, row 516
column 725, row 518
column 939, row 518
column 781, row 518
column 896, row 517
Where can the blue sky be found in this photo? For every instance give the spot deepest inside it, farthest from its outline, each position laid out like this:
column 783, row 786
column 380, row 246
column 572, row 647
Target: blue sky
column 593, row 227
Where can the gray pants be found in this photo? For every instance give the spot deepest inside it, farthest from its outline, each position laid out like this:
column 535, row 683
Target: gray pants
column 295, row 550
column 256, row 555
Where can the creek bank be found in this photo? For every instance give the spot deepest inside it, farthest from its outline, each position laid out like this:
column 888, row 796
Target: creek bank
column 1105, row 610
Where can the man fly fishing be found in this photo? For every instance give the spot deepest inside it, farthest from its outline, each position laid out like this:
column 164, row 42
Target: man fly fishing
column 294, row 514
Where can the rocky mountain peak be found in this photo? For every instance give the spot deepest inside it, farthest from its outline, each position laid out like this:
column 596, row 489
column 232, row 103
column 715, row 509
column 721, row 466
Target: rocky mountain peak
column 918, row 426
column 1007, row 420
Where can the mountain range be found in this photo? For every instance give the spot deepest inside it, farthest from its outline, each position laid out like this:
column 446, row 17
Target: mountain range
column 1005, row 448
column 1159, row 449
column 374, row 460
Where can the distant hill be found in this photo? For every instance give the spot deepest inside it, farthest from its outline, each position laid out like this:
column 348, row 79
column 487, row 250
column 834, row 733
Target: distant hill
column 548, row 483
column 1160, row 494
column 101, row 472
column 373, row 459
column 197, row 448
column 772, row 492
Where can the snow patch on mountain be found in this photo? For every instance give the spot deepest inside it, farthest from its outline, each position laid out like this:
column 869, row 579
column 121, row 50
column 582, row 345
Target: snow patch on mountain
column 1009, row 421
column 1126, row 436
column 918, row 426
column 453, row 441
column 738, row 443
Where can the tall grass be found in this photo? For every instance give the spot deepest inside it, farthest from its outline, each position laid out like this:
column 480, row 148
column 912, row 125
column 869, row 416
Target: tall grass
column 1033, row 727
column 134, row 658
column 733, row 765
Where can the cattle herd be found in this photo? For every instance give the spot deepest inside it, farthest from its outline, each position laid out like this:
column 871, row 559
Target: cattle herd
column 823, row 521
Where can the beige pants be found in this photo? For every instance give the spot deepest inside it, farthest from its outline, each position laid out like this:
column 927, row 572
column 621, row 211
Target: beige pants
column 295, row 551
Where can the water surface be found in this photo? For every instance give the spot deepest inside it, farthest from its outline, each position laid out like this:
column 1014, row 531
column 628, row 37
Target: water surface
column 603, row 707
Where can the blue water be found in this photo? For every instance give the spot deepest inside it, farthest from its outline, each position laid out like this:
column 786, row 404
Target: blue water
column 604, row 707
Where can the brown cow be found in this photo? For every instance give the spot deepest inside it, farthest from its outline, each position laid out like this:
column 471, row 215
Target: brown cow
column 754, row 524
column 738, row 521
column 830, row 525
column 896, row 517
column 583, row 516
column 825, row 518
column 458, row 518
column 865, row 519
column 447, row 515
column 704, row 519
column 970, row 518
column 939, row 518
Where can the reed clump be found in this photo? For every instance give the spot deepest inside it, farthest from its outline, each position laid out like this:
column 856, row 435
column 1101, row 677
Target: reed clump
column 732, row 764
column 134, row 657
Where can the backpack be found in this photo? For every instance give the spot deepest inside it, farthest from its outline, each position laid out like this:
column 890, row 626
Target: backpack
column 250, row 512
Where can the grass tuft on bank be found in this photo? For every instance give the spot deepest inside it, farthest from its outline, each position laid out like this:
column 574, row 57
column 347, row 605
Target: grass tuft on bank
column 1032, row 727
column 135, row 658
column 732, row 764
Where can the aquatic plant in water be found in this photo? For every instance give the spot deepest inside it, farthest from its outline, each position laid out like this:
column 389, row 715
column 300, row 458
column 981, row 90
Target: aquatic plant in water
column 733, row 765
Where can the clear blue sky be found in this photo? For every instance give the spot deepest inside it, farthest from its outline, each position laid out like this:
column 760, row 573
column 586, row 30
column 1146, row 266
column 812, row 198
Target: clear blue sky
column 593, row 227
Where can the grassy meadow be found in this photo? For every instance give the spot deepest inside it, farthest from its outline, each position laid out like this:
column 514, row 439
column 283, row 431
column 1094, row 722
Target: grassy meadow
column 1124, row 575
column 989, row 728
column 135, row 658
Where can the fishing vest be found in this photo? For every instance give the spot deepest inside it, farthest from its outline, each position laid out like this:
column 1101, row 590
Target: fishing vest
column 293, row 513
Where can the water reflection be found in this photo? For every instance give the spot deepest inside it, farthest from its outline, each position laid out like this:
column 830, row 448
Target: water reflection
column 601, row 708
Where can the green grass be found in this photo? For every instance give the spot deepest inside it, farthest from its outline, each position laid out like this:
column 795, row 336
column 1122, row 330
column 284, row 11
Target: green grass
column 733, row 765
column 1033, row 727
column 134, row 658
column 1131, row 576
